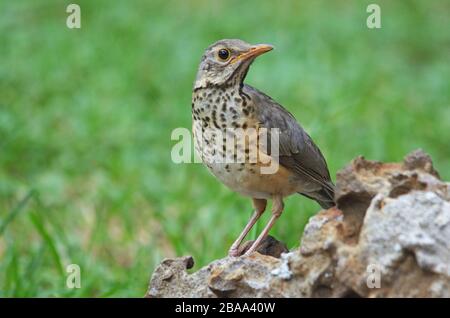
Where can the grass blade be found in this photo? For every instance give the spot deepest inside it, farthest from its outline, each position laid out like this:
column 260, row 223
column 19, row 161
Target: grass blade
column 14, row 212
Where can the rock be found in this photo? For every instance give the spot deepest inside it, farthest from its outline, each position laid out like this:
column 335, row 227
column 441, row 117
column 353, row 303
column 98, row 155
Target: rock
column 388, row 236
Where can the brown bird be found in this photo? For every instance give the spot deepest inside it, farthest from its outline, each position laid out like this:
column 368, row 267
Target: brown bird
column 223, row 107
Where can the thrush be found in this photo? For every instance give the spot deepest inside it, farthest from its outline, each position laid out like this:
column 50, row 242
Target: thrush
column 222, row 105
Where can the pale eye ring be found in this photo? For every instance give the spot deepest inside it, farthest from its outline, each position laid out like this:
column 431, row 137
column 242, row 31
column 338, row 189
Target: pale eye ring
column 223, row 54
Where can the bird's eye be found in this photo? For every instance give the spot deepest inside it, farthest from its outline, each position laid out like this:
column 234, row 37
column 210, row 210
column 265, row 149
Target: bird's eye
column 223, row 54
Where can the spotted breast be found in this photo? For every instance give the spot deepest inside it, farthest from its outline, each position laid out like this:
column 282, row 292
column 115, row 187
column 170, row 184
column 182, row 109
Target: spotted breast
column 227, row 138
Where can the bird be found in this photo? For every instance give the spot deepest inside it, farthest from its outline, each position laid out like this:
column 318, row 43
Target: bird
column 223, row 104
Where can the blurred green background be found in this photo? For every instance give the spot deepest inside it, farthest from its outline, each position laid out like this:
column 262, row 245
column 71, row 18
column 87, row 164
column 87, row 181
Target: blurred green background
column 86, row 117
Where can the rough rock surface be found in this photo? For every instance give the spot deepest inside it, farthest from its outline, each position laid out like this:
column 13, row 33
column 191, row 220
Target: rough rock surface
column 389, row 236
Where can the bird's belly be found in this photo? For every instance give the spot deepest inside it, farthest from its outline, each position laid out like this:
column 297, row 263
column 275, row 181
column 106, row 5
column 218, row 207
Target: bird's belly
column 252, row 179
column 248, row 180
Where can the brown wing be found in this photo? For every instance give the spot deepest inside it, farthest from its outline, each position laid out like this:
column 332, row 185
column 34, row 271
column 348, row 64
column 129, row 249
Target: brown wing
column 297, row 152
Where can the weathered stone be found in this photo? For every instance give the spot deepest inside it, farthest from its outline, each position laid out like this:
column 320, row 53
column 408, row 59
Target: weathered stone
column 389, row 236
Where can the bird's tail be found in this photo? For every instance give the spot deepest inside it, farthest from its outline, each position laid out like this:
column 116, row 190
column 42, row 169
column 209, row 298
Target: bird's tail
column 324, row 196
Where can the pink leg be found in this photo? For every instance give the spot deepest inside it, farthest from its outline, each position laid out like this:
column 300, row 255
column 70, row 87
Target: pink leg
column 277, row 208
column 260, row 206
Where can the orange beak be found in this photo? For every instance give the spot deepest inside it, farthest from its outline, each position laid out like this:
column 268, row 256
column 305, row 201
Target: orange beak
column 254, row 51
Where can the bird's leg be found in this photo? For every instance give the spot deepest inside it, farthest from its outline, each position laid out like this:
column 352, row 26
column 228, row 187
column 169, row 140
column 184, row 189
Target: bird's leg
column 260, row 206
column 277, row 208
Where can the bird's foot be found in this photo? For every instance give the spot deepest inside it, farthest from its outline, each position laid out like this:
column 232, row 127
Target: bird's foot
column 268, row 246
column 234, row 252
column 243, row 250
column 251, row 250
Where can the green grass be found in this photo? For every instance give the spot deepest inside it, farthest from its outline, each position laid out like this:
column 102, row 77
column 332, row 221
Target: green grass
column 86, row 117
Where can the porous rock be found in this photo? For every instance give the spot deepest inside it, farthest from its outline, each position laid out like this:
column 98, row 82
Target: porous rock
column 388, row 236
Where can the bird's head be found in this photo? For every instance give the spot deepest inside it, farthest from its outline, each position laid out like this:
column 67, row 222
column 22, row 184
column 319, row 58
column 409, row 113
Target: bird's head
column 227, row 62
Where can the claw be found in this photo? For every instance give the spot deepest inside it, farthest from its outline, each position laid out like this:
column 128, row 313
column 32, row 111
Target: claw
column 233, row 253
